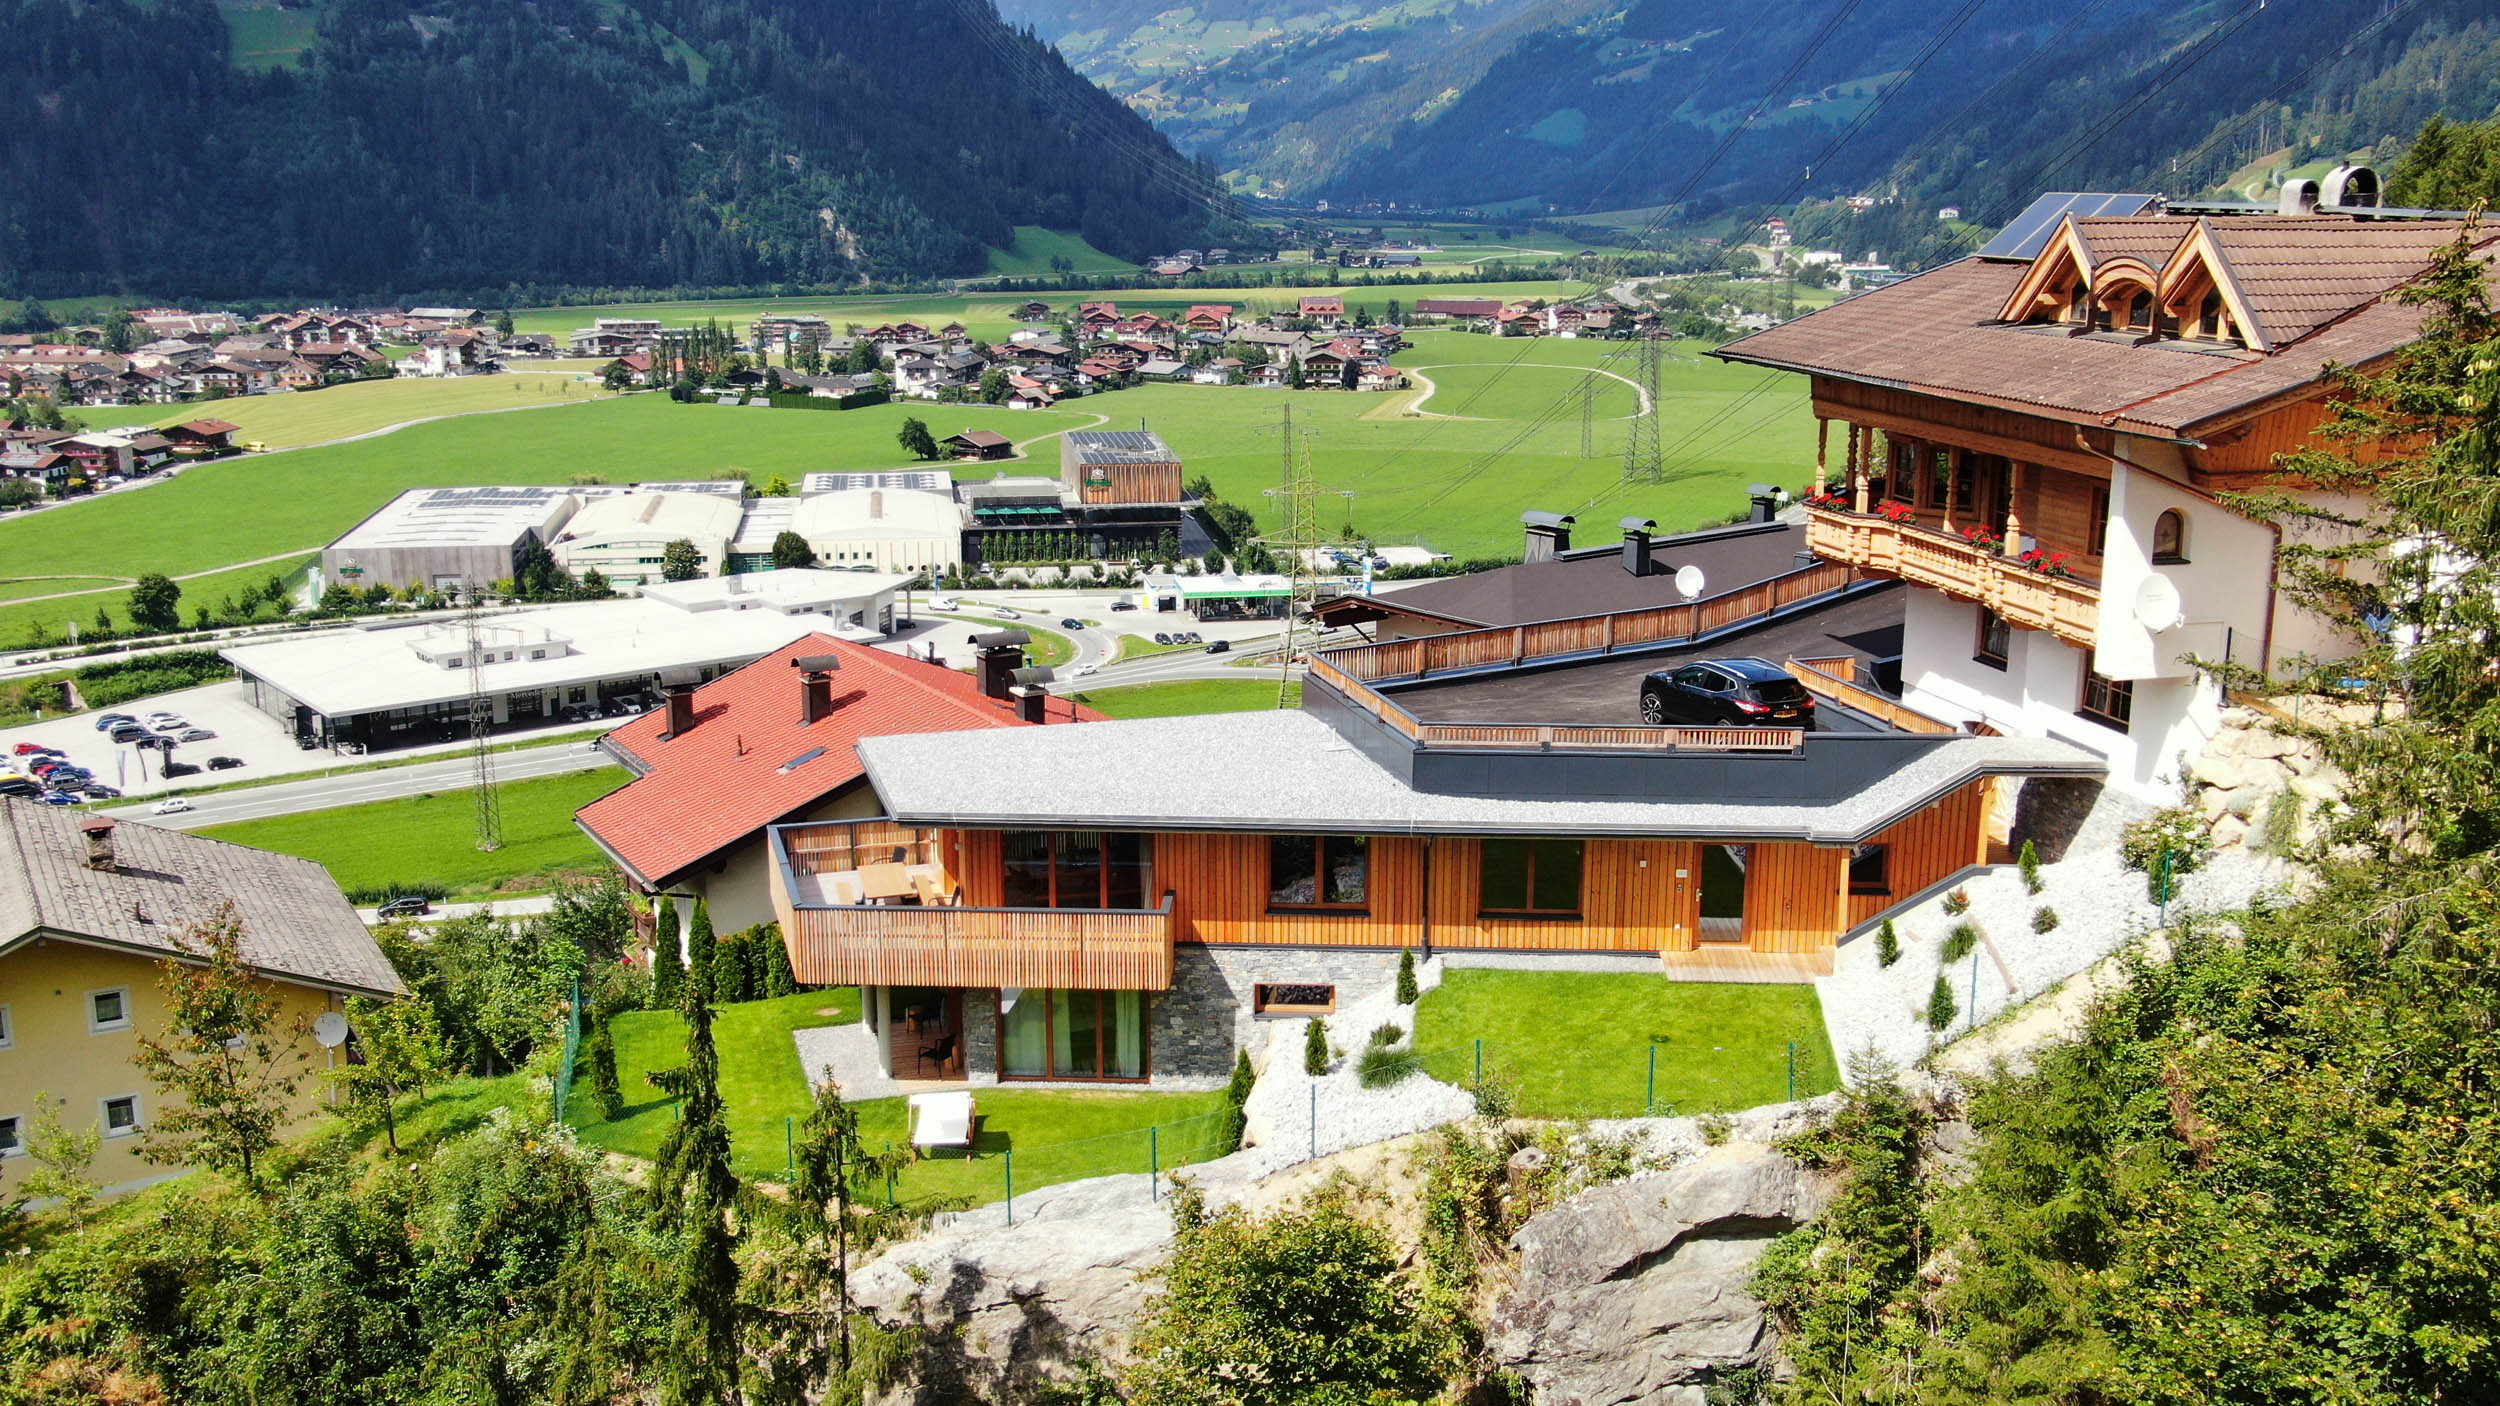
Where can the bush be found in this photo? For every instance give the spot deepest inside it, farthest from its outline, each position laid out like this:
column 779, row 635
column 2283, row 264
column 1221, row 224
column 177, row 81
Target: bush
column 2179, row 834
column 1940, row 1006
column 1237, row 1097
column 1386, row 1035
column 1497, row 1094
column 2029, row 862
column 367, row 898
column 1715, row 1127
column 1384, row 1063
column 1408, row 994
column 2044, row 919
column 1957, row 903
column 1887, row 945
column 1960, row 942
column 1315, row 1048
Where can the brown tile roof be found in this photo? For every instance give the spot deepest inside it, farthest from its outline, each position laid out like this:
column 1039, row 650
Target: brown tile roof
column 296, row 923
column 732, row 773
column 2322, row 281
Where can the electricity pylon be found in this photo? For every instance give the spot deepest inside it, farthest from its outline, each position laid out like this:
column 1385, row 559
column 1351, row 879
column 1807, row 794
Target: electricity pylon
column 481, row 724
column 1297, row 499
column 1643, row 461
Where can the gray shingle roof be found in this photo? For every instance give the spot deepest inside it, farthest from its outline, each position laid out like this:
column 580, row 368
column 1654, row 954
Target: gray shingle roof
column 296, row 923
column 1290, row 771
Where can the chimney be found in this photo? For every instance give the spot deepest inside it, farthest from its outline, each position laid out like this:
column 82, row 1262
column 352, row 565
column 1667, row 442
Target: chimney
column 2299, row 197
column 1549, row 534
column 1636, row 532
column 1027, row 688
column 2349, row 188
column 1766, row 503
column 679, row 685
column 999, row 654
column 99, row 832
column 816, row 673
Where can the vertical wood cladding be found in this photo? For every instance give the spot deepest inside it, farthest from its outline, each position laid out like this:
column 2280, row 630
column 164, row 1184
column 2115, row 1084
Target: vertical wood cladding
column 1127, row 483
column 2059, row 512
column 1631, row 898
column 1946, row 836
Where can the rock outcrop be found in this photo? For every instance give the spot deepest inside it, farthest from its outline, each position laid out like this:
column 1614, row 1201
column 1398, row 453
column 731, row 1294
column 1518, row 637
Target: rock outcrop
column 2252, row 781
column 1634, row 1292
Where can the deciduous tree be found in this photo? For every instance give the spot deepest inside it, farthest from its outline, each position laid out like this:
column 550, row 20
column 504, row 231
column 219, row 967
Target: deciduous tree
column 790, row 549
column 916, row 440
column 226, row 1066
column 155, row 602
column 681, row 560
column 399, row 1051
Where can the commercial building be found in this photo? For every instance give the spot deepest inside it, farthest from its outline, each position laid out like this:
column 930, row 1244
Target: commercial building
column 1227, row 597
column 400, row 682
column 1118, row 495
column 92, row 907
column 883, row 529
column 625, row 538
column 440, row 538
column 918, row 480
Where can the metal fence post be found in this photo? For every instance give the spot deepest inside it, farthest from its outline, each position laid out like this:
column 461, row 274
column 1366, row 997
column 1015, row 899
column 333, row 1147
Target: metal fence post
column 1974, row 994
column 789, row 1146
column 1154, row 1160
column 1649, row 1094
column 1479, row 1062
column 889, row 1173
column 1315, row 1120
column 1011, row 1186
column 1792, row 1071
column 2163, row 868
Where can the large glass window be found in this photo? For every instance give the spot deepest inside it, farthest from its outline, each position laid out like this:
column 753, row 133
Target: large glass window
column 1073, row 869
column 1318, row 871
column 1530, row 876
column 1073, row 1035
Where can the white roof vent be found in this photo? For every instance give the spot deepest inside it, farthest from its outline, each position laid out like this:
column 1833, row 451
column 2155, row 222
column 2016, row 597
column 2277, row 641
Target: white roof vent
column 2350, row 188
column 2300, row 197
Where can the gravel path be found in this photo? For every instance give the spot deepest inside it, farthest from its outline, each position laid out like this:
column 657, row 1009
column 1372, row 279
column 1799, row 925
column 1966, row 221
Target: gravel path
column 846, row 1054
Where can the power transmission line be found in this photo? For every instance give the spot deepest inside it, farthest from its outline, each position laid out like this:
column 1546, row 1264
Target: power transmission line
column 481, row 724
column 1642, row 461
column 1298, row 495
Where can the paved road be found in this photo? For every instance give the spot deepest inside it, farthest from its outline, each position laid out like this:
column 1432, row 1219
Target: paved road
column 445, row 912
column 355, row 787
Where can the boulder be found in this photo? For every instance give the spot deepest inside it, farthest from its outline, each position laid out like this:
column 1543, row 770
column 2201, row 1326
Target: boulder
column 1636, row 1291
column 2223, row 773
column 1009, row 1314
column 2229, row 830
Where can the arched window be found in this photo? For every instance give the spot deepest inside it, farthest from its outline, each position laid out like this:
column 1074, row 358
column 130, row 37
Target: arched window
column 2170, row 538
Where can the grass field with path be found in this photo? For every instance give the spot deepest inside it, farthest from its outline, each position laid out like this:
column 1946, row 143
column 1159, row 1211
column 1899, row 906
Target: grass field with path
column 361, row 407
column 1034, row 247
column 432, row 840
column 1577, row 1044
column 1055, row 1135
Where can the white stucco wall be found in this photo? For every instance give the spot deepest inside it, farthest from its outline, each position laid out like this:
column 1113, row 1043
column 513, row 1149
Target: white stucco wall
column 2223, row 585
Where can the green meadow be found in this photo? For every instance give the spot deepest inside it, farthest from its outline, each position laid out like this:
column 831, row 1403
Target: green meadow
column 1499, row 433
column 1034, row 247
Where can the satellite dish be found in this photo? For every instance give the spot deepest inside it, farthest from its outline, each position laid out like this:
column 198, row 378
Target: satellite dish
column 2157, row 605
column 330, row 1030
column 1688, row 581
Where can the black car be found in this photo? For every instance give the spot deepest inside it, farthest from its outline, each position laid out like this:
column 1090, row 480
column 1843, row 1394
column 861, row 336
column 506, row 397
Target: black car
column 1220, row 647
column 224, row 763
column 1072, row 623
column 407, row 907
column 1726, row 693
column 1165, row 639
column 1124, row 605
column 130, row 732
column 181, row 769
column 98, row 791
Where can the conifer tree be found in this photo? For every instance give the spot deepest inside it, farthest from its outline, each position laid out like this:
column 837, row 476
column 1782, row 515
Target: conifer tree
column 779, row 980
column 692, row 1193
column 668, row 965
column 1315, row 1048
column 1408, row 992
column 702, row 950
column 604, row 1090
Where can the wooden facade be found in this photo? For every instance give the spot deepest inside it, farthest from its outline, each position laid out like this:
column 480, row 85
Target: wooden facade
column 1127, row 483
column 1635, row 896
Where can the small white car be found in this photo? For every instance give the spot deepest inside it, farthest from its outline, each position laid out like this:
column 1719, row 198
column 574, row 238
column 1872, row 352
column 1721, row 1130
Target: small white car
column 170, row 724
column 1083, row 669
column 946, row 603
column 171, row 805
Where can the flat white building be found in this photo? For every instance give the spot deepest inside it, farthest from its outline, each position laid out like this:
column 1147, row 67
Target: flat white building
column 883, row 529
column 625, row 537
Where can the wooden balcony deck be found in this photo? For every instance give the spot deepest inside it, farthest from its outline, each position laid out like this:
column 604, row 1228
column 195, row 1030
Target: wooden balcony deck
column 947, row 945
column 2062, row 605
column 1716, row 962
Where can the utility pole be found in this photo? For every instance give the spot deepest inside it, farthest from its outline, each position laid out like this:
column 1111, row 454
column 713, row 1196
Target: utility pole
column 481, row 724
column 1298, row 499
column 1643, row 460
column 1588, row 415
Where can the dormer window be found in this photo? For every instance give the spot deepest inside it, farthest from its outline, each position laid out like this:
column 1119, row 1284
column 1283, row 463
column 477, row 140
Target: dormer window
column 2209, row 317
column 2140, row 312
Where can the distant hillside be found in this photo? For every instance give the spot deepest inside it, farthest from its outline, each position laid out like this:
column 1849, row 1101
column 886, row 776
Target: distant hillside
column 1589, row 107
column 376, row 147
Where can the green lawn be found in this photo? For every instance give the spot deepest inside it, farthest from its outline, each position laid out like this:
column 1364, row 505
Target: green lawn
column 359, row 407
column 432, row 839
column 1144, row 647
column 1578, row 1044
column 1164, row 700
column 265, row 36
column 1054, row 1136
column 1034, row 248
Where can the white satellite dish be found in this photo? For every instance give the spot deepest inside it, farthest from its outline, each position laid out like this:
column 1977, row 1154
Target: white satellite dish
column 330, row 1030
column 1688, row 582
column 2157, row 606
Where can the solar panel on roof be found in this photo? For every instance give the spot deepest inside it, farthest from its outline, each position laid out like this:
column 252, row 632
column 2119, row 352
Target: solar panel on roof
column 2028, row 233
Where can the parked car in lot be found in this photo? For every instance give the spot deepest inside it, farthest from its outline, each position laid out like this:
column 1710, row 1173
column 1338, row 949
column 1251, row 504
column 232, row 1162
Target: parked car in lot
column 1726, row 693
column 171, row 805
column 170, row 724
column 19, row 786
column 181, row 769
column 150, row 742
column 224, row 763
column 98, row 791
column 1220, row 647
column 108, row 721
column 407, row 907
column 199, row 734
column 59, row 798
column 37, row 749
column 1161, row 638
column 130, row 732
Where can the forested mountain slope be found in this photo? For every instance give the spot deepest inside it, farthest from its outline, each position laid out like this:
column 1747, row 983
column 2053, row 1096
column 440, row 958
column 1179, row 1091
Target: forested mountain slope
column 474, row 144
column 1585, row 107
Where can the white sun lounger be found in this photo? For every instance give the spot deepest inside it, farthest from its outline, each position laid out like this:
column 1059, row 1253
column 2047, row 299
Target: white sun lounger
column 942, row 1119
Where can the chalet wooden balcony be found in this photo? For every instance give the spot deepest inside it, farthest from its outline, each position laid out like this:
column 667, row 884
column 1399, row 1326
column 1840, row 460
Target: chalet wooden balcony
column 871, row 903
column 2062, row 605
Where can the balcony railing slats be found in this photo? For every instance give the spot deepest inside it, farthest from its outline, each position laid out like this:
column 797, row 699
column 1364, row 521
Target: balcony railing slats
column 1081, row 949
column 2061, row 605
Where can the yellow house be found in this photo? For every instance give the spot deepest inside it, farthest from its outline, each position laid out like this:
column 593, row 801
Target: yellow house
column 89, row 907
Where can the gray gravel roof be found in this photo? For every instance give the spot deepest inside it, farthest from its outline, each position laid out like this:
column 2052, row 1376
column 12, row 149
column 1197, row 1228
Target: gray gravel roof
column 1291, row 771
column 296, row 923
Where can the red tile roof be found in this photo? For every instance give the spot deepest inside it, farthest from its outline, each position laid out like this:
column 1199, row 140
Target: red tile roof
column 731, row 774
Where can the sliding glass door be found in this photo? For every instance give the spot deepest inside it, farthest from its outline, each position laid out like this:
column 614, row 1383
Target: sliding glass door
column 1072, row 1035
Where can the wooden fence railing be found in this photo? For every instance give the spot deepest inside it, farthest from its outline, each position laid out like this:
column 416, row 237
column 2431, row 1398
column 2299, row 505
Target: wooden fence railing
column 838, row 846
column 2065, row 606
column 1827, row 684
column 1083, row 949
column 1599, row 739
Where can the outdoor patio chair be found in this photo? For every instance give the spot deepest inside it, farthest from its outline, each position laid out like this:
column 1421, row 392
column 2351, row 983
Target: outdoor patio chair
column 942, row 1051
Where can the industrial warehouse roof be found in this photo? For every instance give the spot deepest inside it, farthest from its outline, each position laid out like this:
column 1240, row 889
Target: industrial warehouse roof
column 925, row 480
column 639, row 517
column 687, row 624
column 749, row 761
column 296, row 923
column 1291, row 771
column 461, row 517
column 1120, row 447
